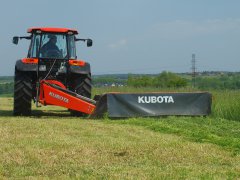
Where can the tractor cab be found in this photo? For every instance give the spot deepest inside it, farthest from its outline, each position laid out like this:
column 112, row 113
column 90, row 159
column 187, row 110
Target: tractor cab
column 52, row 43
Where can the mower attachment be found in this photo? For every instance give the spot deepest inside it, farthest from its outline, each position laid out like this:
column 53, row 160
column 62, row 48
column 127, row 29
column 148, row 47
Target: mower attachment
column 118, row 105
column 55, row 93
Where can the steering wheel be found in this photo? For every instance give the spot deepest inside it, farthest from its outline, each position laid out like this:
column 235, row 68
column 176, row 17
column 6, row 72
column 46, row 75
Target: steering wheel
column 53, row 53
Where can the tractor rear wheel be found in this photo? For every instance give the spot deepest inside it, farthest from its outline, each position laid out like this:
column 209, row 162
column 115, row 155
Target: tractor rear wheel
column 22, row 93
column 82, row 85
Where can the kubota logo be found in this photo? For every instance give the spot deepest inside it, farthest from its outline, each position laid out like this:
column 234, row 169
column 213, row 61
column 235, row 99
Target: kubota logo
column 155, row 99
column 57, row 96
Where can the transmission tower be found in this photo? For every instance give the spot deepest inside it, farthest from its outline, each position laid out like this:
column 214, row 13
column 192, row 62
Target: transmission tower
column 193, row 70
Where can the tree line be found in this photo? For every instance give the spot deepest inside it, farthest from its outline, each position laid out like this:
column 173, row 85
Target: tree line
column 162, row 80
column 221, row 82
column 6, row 88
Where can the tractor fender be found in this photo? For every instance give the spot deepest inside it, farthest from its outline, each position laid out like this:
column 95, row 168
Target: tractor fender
column 80, row 69
column 20, row 66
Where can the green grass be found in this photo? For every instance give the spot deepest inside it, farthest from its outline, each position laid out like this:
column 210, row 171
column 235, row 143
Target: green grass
column 52, row 144
column 226, row 104
column 58, row 147
column 6, row 95
column 204, row 130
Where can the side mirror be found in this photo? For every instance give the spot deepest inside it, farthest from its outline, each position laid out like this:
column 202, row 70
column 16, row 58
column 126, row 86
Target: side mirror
column 89, row 42
column 15, row 40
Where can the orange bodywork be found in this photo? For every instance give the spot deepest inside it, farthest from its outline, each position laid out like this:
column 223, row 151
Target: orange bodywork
column 30, row 60
column 71, row 62
column 53, row 96
column 77, row 62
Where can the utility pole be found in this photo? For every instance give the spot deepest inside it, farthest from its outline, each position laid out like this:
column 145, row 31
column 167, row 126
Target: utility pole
column 193, row 70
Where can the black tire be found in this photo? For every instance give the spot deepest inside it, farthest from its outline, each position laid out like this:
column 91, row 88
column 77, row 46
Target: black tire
column 22, row 93
column 82, row 84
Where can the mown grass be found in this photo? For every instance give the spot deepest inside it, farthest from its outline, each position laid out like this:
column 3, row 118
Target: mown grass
column 51, row 144
column 71, row 148
column 221, row 132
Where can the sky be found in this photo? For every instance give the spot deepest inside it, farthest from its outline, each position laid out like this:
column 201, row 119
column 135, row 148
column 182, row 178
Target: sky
column 132, row 36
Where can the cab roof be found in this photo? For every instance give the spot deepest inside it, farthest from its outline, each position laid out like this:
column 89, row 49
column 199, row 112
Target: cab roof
column 52, row 30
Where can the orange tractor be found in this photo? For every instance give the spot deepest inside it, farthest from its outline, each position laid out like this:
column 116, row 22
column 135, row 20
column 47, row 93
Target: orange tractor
column 51, row 73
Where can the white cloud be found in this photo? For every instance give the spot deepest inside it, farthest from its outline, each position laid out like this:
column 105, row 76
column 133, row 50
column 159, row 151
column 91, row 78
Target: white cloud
column 120, row 43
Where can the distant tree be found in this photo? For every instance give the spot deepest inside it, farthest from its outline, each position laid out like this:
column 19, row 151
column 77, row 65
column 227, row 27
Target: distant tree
column 224, row 81
column 169, row 79
column 141, row 81
column 107, row 80
column 163, row 80
column 6, row 88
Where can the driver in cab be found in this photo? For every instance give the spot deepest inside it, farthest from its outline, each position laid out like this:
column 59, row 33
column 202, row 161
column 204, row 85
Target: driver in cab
column 50, row 49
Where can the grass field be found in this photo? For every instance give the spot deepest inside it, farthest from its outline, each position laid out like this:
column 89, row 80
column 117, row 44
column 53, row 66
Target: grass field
column 52, row 144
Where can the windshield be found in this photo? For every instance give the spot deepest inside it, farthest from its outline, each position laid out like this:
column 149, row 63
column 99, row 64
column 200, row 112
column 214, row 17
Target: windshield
column 52, row 46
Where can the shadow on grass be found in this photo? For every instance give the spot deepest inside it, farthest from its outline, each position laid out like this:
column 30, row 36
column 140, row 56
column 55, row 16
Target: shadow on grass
column 39, row 113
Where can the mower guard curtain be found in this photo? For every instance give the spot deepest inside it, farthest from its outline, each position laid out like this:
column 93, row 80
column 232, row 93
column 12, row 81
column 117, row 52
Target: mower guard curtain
column 153, row 104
